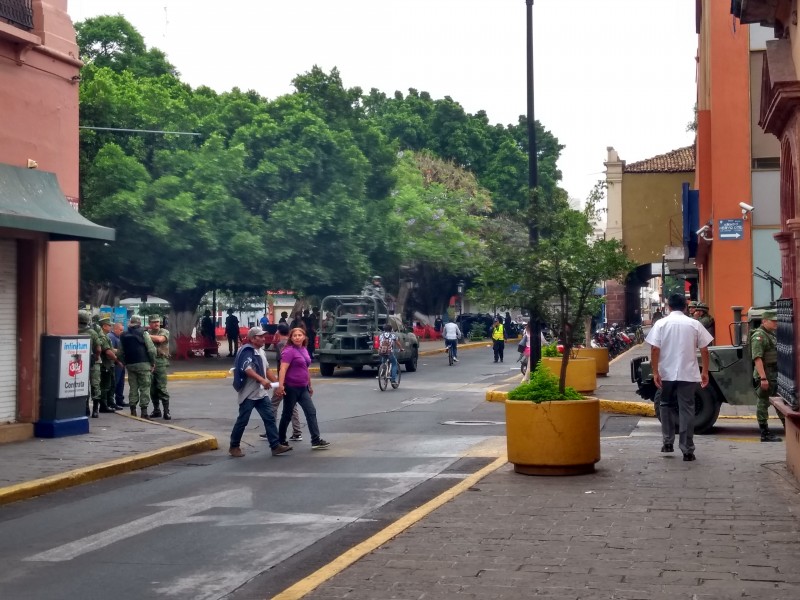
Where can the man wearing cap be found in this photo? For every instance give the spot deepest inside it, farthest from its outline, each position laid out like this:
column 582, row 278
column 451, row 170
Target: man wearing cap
column 674, row 342
column 251, row 362
column 764, row 350
column 158, row 381
column 138, row 353
column 706, row 320
column 498, row 339
column 85, row 328
column 108, row 361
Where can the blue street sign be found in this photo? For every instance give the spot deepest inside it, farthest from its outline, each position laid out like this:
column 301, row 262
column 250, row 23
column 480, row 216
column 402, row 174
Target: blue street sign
column 730, row 229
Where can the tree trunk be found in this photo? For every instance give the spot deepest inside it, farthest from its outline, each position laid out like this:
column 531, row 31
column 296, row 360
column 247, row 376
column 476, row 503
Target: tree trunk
column 402, row 296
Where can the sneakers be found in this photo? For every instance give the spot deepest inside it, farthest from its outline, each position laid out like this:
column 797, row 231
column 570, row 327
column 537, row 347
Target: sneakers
column 280, row 449
column 297, row 437
column 667, row 448
column 320, row 444
column 236, row 452
column 455, row 359
column 689, row 457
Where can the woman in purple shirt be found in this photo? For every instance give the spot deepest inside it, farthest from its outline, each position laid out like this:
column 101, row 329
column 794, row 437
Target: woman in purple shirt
column 294, row 381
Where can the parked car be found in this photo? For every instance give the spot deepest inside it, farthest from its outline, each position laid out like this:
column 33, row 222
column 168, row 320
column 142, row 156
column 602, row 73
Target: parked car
column 350, row 337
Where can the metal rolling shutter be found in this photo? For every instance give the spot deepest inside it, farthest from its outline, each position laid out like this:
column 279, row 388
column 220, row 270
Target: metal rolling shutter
column 8, row 331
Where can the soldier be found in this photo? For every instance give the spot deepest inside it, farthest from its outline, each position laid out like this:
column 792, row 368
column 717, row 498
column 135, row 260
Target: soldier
column 706, row 320
column 85, row 328
column 375, row 288
column 108, row 362
column 158, row 386
column 139, row 355
column 691, row 307
column 763, row 349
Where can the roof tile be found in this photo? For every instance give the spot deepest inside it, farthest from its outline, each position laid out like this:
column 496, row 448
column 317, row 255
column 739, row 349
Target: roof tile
column 676, row 161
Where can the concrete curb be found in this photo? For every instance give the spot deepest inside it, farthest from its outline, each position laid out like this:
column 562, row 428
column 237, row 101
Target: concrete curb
column 61, row 481
column 190, row 375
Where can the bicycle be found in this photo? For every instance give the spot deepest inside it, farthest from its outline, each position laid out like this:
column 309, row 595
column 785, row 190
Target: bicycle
column 385, row 374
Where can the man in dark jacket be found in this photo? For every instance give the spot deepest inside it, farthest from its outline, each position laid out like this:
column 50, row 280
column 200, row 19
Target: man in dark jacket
column 138, row 353
column 232, row 332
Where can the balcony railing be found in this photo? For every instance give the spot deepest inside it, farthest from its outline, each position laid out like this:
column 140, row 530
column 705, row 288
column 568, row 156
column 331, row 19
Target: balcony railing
column 17, row 12
column 787, row 385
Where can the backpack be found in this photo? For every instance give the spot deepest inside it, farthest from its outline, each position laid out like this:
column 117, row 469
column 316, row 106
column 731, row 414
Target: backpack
column 386, row 344
column 239, row 377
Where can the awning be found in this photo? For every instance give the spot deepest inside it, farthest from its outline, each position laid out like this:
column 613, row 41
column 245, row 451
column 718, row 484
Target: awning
column 31, row 199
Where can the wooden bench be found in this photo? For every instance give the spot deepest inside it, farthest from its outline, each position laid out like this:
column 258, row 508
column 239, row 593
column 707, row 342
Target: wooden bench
column 186, row 347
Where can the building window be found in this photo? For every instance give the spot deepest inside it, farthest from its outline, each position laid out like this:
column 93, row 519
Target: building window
column 17, row 12
column 769, row 163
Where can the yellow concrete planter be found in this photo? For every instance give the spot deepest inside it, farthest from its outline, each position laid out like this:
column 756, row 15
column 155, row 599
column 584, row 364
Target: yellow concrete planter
column 581, row 372
column 553, row 438
column 600, row 356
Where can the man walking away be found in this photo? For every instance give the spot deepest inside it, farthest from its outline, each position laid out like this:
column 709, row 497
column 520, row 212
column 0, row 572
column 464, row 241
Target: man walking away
column 232, row 332
column 158, row 384
column 675, row 340
column 252, row 372
column 138, row 354
column 764, row 350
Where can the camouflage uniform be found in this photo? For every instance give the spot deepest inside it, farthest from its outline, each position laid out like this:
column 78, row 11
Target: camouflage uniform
column 107, row 374
column 138, row 353
column 705, row 319
column 158, row 385
column 85, row 328
column 763, row 345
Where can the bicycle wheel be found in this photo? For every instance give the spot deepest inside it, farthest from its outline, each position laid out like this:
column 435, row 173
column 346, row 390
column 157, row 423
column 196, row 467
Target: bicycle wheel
column 450, row 355
column 383, row 376
column 396, row 383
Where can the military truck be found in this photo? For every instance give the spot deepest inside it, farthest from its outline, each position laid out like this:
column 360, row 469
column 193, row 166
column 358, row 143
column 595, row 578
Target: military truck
column 730, row 374
column 349, row 333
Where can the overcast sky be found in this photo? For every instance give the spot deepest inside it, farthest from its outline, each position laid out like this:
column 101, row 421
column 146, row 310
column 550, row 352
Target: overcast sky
column 607, row 72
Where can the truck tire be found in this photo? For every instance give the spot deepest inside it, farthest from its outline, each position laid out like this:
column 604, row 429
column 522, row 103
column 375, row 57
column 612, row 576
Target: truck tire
column 706, row 409
column 411, row 364
column 326, row 369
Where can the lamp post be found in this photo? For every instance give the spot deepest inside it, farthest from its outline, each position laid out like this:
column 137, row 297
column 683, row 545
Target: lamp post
column 533, row 182
column 460, row 290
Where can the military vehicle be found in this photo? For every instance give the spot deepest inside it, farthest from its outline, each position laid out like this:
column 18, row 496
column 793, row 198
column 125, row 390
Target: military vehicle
column 730, row 373
column 349, row 333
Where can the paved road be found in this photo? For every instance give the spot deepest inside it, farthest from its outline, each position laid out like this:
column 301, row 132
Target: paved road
column 210, row 526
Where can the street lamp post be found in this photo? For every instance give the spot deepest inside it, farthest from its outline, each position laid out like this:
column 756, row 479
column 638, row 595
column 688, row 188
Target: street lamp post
column 460, row 290
column 533, row 182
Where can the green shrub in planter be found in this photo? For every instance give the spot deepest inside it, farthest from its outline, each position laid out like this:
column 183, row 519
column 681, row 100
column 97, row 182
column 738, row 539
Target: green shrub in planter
column 542, row 387
column 477, row 332
column 551, row 350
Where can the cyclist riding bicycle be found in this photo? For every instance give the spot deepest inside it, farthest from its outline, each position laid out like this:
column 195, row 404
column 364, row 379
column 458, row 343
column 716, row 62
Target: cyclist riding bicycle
column 451, row 334
column 387, row 342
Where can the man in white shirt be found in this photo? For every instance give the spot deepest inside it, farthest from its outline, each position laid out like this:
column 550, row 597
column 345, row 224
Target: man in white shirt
column 675, row 340
column 451, row 333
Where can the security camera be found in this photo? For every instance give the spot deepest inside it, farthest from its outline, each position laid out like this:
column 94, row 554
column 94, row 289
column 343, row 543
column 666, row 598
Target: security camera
column 746, row 207
column 703, row 230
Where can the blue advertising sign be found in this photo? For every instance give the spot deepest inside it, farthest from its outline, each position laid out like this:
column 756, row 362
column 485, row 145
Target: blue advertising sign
column 730, row 229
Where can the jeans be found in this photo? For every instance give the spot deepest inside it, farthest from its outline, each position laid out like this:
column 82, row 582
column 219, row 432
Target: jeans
column 392, row 357
column 454, row 345
column 264, row 409
column 498, row 346
column 298, row 395
column 119, row 389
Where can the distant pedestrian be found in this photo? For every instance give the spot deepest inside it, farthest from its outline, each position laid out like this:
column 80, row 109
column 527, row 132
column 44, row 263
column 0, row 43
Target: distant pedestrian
column 451, row 335
column 295, row 382
column 437, row 324
column 311, row 331
column 498, row 339
column 208, row 332
column 108, row 360
column 251, row 363
column 232, row 332
column 138, row 353
column 675, row 340
column 284, row 317
column 158, row 385
column 764, row 351
column 264, row 321
column 657, row 315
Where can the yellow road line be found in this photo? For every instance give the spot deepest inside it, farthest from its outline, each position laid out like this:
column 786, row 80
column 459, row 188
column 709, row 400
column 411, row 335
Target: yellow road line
column 339, row 564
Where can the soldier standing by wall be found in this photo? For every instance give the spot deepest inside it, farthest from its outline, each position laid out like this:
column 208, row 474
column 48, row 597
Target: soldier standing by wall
column 108, row 362
column 139, row 355
column 763, row 349
column 706, row 320
column 85, row 328
column 158, row 385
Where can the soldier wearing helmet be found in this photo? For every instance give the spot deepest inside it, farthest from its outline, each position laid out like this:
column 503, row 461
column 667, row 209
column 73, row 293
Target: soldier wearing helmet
column 763, row 349
column 691, row 307
column 375, row 288
column 85, row 328
column 701, row 314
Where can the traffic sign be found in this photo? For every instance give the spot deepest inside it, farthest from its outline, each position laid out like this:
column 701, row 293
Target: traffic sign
column 730, row 229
